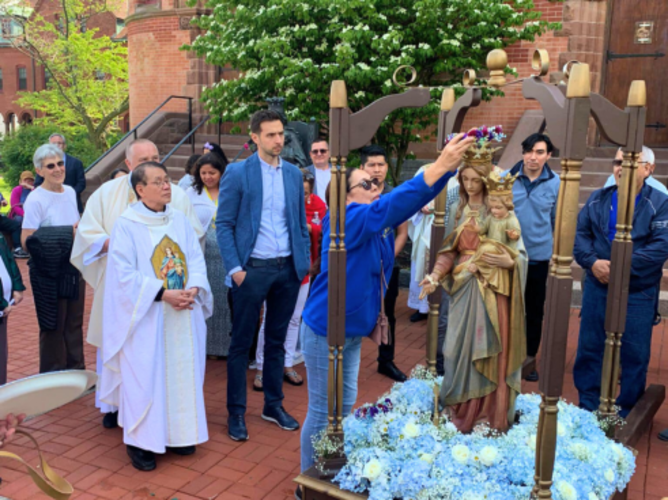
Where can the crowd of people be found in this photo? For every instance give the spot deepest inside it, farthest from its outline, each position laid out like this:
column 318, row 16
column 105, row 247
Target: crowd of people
column 230, row 264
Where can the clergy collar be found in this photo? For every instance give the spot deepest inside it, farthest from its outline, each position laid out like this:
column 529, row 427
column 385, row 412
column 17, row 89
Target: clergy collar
column 139, row 212
column 154, row 211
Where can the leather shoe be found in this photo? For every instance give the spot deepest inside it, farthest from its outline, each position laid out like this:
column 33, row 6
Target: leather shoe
column 281, row 418
column 141, row 459
column 236, row 428
column 532, row 377
column 663, row 435
column 183, row 451
column 418, row 316
column 110, row 420
column 391, row 370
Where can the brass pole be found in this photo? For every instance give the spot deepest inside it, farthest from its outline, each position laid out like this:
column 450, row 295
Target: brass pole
column 437, row 235
column 331, row 380
column 575, row 121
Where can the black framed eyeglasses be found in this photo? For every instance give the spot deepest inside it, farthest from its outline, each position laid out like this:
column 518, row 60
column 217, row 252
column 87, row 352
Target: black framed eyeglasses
column 51, row 166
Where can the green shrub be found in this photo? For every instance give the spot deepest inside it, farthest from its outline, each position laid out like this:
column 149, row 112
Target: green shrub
column 18, row 148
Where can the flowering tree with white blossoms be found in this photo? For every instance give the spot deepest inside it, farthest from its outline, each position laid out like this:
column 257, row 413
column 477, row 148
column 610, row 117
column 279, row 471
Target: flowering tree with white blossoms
column 294, row 49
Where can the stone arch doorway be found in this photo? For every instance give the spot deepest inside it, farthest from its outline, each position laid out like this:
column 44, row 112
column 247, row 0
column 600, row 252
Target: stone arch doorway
column 12, row 123
column 26, row 119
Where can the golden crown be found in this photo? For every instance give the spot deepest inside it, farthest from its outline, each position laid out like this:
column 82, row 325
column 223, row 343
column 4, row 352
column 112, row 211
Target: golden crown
column 499, row 186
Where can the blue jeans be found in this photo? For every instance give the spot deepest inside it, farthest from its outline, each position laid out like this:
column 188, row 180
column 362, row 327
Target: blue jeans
column 635, row 349
column 316, row 357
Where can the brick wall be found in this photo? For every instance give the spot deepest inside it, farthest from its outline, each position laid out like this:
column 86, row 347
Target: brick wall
column 10, row 60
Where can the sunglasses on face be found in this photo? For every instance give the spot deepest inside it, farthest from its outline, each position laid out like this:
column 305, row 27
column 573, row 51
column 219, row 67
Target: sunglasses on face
column 319, row 151
column 365, row 184
column 51, row 166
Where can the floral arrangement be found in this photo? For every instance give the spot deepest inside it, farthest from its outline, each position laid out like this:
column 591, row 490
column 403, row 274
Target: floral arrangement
column 483, row 135
column 394, row 450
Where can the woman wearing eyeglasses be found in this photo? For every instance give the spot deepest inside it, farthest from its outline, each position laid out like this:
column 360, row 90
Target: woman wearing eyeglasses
column 370, row 218
column 50, row 219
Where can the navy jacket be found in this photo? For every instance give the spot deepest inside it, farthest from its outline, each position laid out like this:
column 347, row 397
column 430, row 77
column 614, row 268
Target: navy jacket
column 240, row 211
column 369, row 238
column 75, row 177
column 649, row 234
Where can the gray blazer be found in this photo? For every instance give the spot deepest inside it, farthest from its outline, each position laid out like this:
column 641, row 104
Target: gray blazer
column 240, row 211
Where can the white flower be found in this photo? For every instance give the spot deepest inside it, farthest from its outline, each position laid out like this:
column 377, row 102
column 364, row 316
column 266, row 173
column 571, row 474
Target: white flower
column 489, row 455
column 561, row 429
column 567, row 491
column 427, row 457
column 411, row 430
column 450, row 427
column 372, row 469
column 609, row 476
column 531, row 442
column 461, row 453
column 581, row 451
column 592, row 496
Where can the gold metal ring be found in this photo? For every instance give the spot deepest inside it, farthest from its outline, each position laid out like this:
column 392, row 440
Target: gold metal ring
column 540, row 62
column 567, row 67
column 409, row 82
column 469, row 78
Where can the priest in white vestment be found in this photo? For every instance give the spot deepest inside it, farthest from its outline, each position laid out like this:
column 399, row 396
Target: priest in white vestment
column 156, row 302
column 91, row 243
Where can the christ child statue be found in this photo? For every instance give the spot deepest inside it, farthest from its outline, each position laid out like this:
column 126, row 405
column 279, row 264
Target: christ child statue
column 499, row 232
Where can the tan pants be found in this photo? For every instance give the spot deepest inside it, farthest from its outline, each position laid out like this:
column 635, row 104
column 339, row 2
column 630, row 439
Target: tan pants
column 63, row 348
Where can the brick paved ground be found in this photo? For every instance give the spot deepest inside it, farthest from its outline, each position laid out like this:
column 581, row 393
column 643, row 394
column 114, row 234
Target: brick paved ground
column 93, row 459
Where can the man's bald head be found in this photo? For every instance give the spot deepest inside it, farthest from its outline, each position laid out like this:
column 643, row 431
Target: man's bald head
column 140, row 151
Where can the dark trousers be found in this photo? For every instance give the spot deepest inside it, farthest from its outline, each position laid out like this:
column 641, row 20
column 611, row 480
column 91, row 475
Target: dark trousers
column 386, row 351
column 635, row 349
column 4, row 352
column 12, row 227
column 63, row 348
column 276, row 282
column 534, row 303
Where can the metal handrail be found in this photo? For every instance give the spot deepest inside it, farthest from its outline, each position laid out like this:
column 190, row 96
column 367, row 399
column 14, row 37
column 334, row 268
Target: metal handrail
column 185, row 138
column 134, row 130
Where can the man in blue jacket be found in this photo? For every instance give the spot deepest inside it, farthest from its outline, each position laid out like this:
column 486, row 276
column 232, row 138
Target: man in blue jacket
column 595, row 232
column 264, row 241
column 535, row 197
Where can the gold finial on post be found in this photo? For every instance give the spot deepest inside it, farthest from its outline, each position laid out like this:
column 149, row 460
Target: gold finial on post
column 447, row 99
column 469, row 77
column 338, row 97
column 579, row 84
column 497, row 60
column 540, row 62
column 637, row 94
column 412, row 80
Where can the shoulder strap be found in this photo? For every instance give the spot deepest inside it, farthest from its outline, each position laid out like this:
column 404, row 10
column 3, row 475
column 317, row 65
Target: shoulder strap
column 383, row 284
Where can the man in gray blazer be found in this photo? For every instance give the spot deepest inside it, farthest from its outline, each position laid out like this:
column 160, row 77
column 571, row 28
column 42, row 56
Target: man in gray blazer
column 263, row 238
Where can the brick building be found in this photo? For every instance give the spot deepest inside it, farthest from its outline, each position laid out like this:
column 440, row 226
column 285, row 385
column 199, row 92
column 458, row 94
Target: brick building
column 606, row 34
column 19, row 72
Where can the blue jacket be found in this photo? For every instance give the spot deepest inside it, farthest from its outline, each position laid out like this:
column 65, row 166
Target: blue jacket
column 240, row 211
column 369, row 238
column 536, row 211
column 649, row 234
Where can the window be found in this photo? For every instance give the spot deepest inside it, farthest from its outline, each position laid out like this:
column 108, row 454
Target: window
column 47, row 78
column 6, row 27
column 0, row 79
column 23, row 78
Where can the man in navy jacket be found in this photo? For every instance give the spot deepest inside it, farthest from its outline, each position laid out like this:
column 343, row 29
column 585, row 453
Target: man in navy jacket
column 264, row 241
column 75, row 176
column 595, row 232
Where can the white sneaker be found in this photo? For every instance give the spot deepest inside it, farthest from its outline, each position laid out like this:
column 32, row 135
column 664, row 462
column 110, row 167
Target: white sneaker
column 253, row 365
column 297, row 359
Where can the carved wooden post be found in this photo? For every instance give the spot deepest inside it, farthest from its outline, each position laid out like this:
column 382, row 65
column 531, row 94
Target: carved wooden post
column 450, row 120
column 567, row 121
column 622, row 249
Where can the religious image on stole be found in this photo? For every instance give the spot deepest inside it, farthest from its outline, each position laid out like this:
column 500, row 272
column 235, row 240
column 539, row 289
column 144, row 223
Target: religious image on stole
column 169, row 264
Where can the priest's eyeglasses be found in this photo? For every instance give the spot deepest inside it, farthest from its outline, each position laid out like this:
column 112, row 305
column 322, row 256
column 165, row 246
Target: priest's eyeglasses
column 160, row 183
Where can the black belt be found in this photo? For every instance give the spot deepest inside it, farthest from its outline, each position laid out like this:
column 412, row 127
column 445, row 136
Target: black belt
column 278, row 261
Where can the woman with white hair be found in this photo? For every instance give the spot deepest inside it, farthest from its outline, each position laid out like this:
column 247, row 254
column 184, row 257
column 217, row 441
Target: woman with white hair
column 51, row 217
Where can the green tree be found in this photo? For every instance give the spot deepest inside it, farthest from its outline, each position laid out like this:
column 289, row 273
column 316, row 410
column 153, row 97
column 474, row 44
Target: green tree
column 295, row 49
column 88, row 73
